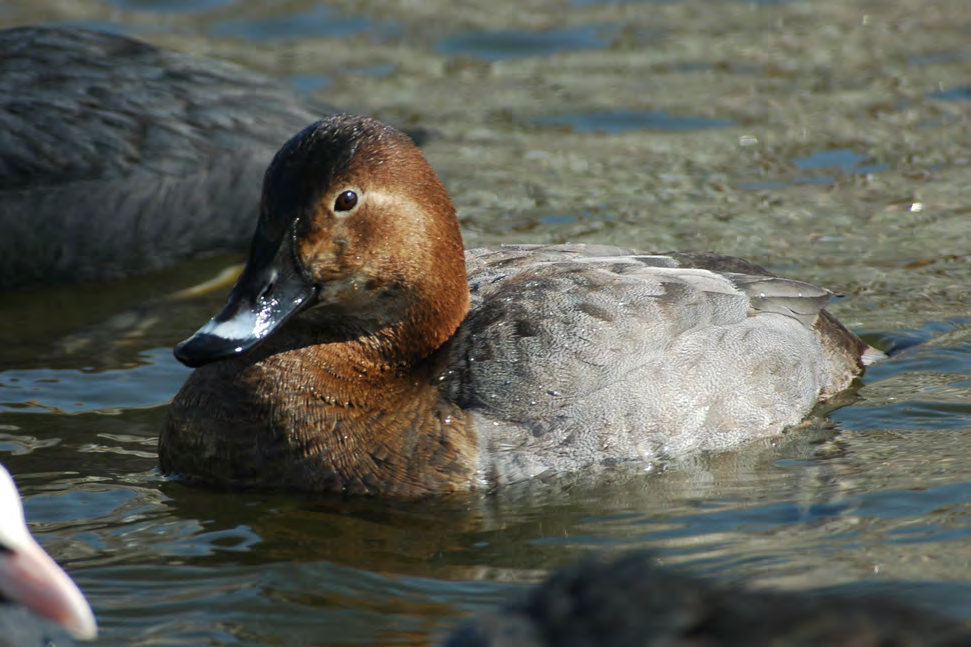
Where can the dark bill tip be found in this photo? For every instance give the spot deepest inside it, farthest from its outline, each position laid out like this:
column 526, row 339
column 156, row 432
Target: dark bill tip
column 201, row 349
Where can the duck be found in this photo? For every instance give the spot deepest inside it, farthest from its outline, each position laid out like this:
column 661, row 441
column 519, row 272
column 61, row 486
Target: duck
column 363, row 351
column 629, row 599
column 31, row 581
column 134, row 157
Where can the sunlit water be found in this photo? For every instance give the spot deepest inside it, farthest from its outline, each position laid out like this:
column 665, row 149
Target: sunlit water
column 877, row 498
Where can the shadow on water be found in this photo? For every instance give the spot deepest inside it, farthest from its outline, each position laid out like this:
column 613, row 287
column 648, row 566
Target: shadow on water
column 952, row 94
column 318, row 22
column 820, row 165
column 615, row 121
column 171, row 6
column 499, row 45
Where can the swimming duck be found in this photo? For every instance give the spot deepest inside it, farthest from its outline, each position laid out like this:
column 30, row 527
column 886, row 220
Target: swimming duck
column 361, row 351
column 629, row 600
column 29, row 577
column 118, row 157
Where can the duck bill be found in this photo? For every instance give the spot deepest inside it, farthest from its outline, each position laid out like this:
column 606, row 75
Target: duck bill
column 30, row 577
column 271, row 289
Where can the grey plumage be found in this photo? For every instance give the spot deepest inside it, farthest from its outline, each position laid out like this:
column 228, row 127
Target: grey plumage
column 608, row 354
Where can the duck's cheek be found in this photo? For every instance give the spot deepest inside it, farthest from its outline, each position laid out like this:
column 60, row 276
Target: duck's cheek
column 323, row 260
column 345, row 290
column 364, row 295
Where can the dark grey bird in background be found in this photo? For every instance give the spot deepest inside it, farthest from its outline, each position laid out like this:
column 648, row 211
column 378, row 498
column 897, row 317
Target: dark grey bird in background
column 118, row 158
column 629, row 601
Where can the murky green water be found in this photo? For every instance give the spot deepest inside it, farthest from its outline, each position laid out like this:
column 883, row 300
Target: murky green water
column 828, row 140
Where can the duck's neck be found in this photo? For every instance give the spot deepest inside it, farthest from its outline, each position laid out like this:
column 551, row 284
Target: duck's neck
column 361, row 352
column 356, row 420
column 360, row 407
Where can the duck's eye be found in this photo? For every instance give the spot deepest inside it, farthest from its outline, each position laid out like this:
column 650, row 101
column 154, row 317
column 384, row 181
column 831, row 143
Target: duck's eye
column 345, row 201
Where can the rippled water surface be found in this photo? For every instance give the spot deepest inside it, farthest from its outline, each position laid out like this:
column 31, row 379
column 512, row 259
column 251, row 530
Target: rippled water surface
column 827, row 140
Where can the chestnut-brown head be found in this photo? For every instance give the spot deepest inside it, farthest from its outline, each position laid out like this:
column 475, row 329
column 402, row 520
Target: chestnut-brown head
column 353, row 220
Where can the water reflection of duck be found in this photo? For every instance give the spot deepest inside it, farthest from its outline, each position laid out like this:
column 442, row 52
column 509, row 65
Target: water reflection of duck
column 31, row 582
column 614, row 602
column 118, row 157
column 348, row 357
